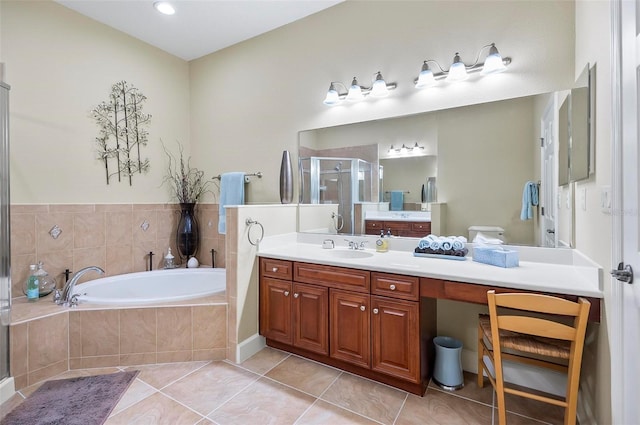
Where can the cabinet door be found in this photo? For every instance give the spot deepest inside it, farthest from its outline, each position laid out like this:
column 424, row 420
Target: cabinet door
column 311, row 318
column 350, row 330
column 395, row 330
column 275, row 309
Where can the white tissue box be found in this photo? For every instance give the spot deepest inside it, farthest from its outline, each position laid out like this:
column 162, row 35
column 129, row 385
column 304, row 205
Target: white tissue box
column 495, row 256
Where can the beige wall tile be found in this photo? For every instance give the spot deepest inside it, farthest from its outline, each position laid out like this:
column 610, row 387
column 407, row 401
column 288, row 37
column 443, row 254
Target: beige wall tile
column 119, row 228
column 23, row 234
column 108, row 208
column 141, row 251
column 174, row 329
column 208, row 355
column 44, row 223
column 75, row 334
column 175, row 356
column 138, row 330
column 27, row 209
column 88, row 230
column 140, row 217
column 209, row 327
column 119, row 259
column 100, row 333
column 167, row 220
column 48, row 341
column 204, row 250
column 137, row 359
column 85, row 257
column 72, row 208
column 20, row 381
column 48, row 372
column 232, row 282
column 232, row 317
column 19, row 349
column 99, row 361
column 55, row 263
column 75, row 363
column 231, row 352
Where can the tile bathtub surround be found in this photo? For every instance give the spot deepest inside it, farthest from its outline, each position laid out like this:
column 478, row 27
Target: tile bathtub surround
column 105, row 235
column 81, row 339
column 267, row 389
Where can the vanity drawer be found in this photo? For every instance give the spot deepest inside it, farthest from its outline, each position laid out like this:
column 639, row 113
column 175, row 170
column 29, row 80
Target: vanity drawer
column 333, row 277
column 280, row 269
column 421, row 227
column 373, row 227
column 395, row 286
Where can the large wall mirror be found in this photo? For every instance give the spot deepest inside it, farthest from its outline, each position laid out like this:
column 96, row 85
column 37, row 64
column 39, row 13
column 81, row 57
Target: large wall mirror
column 480, row 157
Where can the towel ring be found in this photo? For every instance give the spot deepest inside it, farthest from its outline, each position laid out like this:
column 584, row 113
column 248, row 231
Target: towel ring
column 250, row 222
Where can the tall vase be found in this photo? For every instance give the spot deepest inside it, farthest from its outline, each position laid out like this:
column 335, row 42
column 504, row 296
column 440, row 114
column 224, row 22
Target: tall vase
column 286, row 179
column 187, row 234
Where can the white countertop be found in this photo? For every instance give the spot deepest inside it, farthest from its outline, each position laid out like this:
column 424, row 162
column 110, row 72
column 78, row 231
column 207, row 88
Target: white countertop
column 577, row 275
column 398, row 215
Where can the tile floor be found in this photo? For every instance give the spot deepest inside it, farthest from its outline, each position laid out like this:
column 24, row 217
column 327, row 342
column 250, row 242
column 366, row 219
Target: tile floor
column 274, row 387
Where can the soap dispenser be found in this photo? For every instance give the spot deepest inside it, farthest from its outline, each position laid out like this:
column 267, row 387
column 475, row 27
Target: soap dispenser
column 169, row 260
column 382, row 244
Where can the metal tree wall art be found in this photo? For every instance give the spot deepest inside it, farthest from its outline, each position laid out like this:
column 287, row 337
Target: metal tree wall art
column 122, row 132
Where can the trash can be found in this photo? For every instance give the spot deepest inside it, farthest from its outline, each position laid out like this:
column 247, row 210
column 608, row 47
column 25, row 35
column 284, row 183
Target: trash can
column 447, row 372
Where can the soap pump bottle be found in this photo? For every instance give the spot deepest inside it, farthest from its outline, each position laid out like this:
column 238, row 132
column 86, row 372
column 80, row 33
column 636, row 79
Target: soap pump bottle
column 382, row 245
column 169, row 260
column 33, row 284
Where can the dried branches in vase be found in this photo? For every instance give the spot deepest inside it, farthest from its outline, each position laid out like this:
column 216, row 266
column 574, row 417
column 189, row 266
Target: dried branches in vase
column 187, row 183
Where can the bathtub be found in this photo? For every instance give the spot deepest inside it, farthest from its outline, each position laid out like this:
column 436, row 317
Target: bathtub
column 152, row 287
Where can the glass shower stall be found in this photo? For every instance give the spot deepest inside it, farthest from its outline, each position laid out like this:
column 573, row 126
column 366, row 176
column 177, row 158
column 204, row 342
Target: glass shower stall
column 5, row 254
column 342, row 181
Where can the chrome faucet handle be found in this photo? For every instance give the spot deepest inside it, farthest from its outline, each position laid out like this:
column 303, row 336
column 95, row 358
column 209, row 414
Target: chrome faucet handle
column 57, row 296
column 352, row 244
column 362, row 244
column 74, row 300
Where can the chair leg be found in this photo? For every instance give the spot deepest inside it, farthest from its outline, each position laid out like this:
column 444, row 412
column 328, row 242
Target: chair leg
column 502, row 409
column 480, row 358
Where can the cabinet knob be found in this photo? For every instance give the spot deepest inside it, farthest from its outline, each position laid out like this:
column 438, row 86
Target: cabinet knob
column 296, row 295
column 362, row 308
column 392, row 287
column 375, row 311
column 275, row 269
column 286, row 293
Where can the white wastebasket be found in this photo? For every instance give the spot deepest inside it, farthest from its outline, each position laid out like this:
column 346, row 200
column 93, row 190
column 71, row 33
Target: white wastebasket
column 447, row 372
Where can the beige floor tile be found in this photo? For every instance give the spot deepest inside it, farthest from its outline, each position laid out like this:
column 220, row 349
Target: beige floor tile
column 207, row 388
column 161, row 375
column 70, row 374
column 376, row 401
column 263, row 402
column 158, row 410
column 6, row 407
column 136, row 392
column 322, row 413
column 305, row 375
column 264, row 360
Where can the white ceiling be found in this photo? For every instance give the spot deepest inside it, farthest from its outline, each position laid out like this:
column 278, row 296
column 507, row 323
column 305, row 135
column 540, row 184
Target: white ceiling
column 198, row 27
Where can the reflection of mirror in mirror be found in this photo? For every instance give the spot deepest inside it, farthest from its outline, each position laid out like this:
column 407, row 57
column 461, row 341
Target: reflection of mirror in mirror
column 563, row 142
column 579, row 127
column 481, row 156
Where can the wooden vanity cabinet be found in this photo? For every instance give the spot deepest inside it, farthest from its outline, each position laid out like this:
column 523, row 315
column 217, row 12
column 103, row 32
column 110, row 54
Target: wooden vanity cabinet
column 375, row 324
column 414, row 229
column 294, row 313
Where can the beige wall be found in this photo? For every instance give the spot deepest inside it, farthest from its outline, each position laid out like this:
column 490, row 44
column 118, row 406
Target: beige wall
column 60, row 65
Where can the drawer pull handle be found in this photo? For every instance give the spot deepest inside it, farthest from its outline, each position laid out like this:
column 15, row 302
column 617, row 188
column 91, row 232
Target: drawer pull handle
column 275, row 269
column 392, row 287
column 375, row 311
column 286, row 293
column 296, row 295
column 362, row 308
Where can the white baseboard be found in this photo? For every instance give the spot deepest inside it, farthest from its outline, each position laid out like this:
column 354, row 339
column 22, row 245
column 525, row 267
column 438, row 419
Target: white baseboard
column 249, row 347
column 7, row 389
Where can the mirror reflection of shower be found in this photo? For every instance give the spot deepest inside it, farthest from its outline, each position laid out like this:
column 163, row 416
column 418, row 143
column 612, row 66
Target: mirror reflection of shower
column 341, row 181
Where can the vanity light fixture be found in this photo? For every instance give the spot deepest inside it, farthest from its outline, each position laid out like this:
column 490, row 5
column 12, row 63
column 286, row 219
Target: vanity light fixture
column 458, row 71
column 356, row 92
column 406, row 150
column 164, row 7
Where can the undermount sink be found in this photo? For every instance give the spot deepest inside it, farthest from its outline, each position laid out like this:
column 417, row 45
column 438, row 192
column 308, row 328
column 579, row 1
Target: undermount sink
column 349, row 253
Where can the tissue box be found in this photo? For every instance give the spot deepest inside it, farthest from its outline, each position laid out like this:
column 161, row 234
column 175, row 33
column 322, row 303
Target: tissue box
column 495, row 256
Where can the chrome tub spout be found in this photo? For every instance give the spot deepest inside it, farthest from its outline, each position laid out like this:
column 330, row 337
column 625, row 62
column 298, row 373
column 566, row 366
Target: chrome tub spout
column 66, row 298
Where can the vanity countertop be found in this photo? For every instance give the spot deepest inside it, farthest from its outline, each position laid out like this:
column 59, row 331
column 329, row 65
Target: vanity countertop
column 398, row 215
column 582, row 279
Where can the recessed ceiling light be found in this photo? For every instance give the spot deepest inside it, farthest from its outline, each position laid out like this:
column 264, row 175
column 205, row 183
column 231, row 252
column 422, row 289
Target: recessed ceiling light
column 164, row 7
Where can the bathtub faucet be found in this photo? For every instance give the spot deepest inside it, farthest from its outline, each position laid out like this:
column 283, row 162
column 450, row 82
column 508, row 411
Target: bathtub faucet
column 66, row 298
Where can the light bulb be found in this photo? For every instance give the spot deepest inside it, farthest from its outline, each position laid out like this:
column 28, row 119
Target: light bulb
column 332, row 96
column 355, row 91
column 425, row 78
column 379, row 88
column 493, row 63
column 164, row 7
column 458, row 70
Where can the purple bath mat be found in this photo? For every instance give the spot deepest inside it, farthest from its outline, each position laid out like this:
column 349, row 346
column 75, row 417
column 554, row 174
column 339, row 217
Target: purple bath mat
column 87, row 400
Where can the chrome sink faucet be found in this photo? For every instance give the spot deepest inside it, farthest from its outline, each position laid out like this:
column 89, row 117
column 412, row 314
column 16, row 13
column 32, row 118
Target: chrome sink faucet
column 66, row 298
column 354, row 244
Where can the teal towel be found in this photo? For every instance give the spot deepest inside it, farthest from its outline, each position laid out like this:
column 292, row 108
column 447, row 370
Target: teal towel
column 397, row 200
column 529, row 200
column 231, row 193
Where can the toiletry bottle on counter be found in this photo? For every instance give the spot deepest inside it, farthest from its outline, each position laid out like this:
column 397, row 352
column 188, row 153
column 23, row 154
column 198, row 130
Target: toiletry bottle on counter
column 33, row 284
column 382, row 244
column 168, row 260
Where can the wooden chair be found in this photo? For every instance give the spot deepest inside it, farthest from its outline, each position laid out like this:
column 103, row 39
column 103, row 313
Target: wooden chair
column 544, row 342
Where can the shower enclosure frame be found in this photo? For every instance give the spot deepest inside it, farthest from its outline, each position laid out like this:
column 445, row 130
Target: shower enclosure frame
column 5, row 235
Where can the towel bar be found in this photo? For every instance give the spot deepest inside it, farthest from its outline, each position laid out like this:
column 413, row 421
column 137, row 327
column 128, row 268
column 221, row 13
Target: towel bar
column 246, row 176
